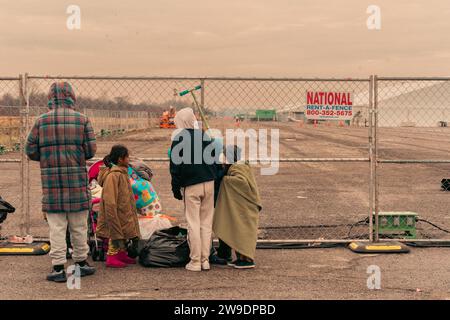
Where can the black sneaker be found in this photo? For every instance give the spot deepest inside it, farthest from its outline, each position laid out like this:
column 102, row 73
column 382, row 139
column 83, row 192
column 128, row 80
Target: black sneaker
column 214, row 259
column 57, row 276
column 243, row 264
column 85, row 269
column 232, row 263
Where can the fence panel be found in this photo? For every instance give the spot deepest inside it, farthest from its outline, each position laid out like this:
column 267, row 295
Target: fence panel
column 11, row 165
column 10, row 122
column 311, row 197
column 414, row 153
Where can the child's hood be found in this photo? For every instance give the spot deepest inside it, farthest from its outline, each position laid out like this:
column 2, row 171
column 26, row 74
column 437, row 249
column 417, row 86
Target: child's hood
column 105, row 171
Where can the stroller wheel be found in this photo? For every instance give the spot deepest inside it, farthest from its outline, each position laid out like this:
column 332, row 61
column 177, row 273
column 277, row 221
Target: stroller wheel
column 102, row 256
column 93, row 251
column 95, row 254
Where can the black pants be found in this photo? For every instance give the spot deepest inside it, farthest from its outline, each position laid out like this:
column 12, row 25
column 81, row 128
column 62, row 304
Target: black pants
column 68, row 242
column 223, row 251
column 133, row 248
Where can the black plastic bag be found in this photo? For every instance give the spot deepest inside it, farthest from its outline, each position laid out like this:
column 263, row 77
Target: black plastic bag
column 166, row 248
column 5, row 208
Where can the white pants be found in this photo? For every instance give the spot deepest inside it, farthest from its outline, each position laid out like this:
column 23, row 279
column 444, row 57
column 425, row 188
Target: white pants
column 199, row 210
column 78, row 228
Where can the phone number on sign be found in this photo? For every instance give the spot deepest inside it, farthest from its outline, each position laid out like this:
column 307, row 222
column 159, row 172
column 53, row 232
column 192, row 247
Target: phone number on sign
column 329, row 113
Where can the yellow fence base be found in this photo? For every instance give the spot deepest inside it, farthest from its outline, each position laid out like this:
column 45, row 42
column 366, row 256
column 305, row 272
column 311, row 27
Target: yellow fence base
column 24, row 249
column 378, row 247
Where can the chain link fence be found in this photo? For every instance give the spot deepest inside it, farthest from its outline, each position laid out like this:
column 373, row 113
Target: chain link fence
column 10, row 121
column 11, row 161
column 413, row 152
column 311, row 198
column 332, row 175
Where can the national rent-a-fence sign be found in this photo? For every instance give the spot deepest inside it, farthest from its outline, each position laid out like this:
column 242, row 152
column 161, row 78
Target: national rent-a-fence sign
column 329, row 105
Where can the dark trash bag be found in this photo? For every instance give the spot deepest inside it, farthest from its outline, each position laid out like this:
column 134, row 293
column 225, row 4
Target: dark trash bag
column 445, row 184
column 5, row 208
column 166, row 248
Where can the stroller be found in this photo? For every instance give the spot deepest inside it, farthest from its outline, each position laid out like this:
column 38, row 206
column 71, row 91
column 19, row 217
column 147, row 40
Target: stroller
column 98, row 247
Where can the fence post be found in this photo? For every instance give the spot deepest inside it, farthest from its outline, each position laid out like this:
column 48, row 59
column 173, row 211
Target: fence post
column 371, row 157
column 376, row 160
column 24, row 163
column 202, row 94
column 27, row 161
column 22, row 154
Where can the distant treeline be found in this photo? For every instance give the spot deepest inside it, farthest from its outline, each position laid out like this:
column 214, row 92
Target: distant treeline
column 116, row 104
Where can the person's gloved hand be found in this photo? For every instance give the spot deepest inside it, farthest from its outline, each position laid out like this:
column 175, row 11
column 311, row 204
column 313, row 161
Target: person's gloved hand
column 177, row 195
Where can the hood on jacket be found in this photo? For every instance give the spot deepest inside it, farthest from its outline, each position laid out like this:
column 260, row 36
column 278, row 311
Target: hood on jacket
column 61, row 95
column 185, row 119
column 105, row 171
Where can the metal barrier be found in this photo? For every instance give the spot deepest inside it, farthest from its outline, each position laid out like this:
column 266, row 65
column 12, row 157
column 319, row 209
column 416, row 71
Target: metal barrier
column 312, row 198
column 413, row 149
column 334, row 177
column 13, row 164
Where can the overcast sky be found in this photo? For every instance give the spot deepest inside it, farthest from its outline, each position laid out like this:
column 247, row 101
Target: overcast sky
column 293, row 38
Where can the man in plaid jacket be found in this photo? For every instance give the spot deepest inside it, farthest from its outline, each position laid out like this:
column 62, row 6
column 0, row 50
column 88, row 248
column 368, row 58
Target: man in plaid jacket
column 62, row 140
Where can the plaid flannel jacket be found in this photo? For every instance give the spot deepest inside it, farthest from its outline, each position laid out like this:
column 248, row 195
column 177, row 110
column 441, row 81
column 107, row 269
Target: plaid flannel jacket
column 62, row 140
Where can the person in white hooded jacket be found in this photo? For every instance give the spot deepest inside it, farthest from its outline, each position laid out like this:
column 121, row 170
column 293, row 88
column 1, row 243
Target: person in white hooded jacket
column 193, row 182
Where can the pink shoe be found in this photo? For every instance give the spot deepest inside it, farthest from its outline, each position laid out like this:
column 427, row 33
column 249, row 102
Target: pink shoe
column 123, row 256
column 114, row 262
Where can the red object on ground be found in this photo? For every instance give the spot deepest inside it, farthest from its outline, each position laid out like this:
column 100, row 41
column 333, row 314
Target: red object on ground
column 114, row 262
column 123, row 256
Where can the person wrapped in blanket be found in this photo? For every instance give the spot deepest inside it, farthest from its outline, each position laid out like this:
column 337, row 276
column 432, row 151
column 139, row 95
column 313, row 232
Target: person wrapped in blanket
column 236, row 214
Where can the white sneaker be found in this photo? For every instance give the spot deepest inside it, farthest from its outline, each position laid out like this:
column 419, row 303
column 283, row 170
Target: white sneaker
column 206, row 266
column 193, row 267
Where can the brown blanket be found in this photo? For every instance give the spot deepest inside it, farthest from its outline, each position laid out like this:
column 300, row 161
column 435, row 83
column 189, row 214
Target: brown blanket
column 236, row 215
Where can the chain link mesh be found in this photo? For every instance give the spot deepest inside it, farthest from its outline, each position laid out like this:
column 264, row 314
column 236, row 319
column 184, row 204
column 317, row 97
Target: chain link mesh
column 323, row 193
column 10, row 122
column 10, row 159
column 413, row 148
